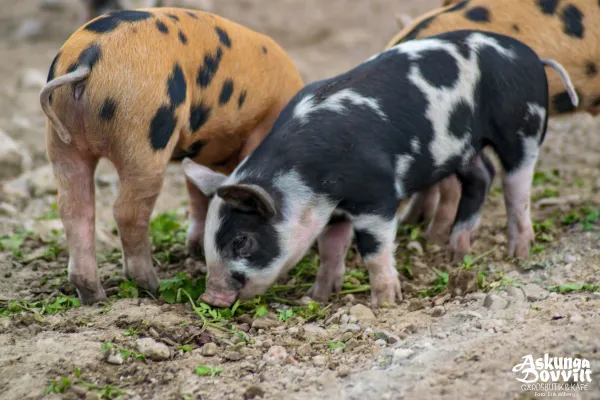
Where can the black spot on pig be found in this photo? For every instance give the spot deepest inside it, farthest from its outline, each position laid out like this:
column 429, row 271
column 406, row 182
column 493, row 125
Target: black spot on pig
column 442, row 73
column 112, row 20
column 90, row 56
column 591, row 69
column 162, row 27
column 162, row 127
column 562, row 103
column 191, row 14
column 242, row 98
column 460, row 118
column 107, row 111
column 198, row 116
column 572, row 19
column 223, row 37
column 209, row 68
column 173, row 17
column 516, row 28
column 414, row 33
column 548, row 7
column 52, row 71
column 236, row 224
column 367, row 244
column 226, row 92
column 264, row 50
column 478, row 14
column 176, row 86
column 192, row 152
column 182, row 37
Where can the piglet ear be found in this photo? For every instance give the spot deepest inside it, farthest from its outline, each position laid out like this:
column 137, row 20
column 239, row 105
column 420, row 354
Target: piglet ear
column 248, row 198
column 205, row 179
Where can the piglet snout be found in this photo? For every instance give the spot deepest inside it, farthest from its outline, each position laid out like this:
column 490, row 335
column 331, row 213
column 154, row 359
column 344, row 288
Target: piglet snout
column 220, row 299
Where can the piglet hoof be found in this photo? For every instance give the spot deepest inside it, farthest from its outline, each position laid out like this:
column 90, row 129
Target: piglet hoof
column 321, row 291
column 519, row 247
column 386, row 294
column 195, row 249
column 89, row 297
column 461, row 244
column 147, row 280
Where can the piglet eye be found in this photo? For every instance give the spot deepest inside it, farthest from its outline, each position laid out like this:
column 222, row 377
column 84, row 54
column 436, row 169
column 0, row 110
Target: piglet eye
column 242, row 246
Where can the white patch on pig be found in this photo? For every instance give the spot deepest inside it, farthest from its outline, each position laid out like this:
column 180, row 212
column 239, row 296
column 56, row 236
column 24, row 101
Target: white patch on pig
column 540, row 112
column 335, row 102
column 403, row 163
column 383, row 230
column 213, row 221
column 414, row 48
column 415, row 145
column 531, row 144
column 477, row 41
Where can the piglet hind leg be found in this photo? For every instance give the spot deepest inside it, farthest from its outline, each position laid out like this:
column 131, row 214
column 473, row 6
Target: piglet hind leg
column 517, row 189
column 74, row 172
column 333, row 245
column 475, row 182
column 375, row 239
column 140, row 186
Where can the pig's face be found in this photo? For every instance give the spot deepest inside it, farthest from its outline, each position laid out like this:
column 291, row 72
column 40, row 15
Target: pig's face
column 242, row 246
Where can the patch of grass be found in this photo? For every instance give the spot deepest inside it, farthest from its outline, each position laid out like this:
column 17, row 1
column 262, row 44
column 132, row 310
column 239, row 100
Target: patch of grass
column 439, row 284
column 204, row 370
column 170, row 289
column 128, row 290
column 587, row 216
column 38, row 308
column 127, row 354
column 132, row 332
column 112, row 257
column 574, row 287
column 306, row 269
column 284, row 315
column 186, row 348
column 547, row 193
column 261, row 311
column 546, row 178
column 12, row 243
column 336, row 345
column 59, row 385
column 165, row 231
column 51, row 214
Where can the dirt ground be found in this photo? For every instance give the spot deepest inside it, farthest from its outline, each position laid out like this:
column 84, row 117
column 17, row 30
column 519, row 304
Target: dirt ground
column 438, row 343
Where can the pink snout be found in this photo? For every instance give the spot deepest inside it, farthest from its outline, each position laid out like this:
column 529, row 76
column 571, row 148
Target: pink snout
column 219, row 298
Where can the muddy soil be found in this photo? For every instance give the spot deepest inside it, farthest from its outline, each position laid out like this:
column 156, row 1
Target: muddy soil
column 457, row 334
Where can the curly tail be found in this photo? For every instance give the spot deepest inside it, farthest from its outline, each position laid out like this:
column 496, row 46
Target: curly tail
column 564, row 76
column 81, row 73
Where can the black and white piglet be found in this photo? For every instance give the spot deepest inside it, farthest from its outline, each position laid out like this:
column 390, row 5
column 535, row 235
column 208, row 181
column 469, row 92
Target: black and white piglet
column 345, row 151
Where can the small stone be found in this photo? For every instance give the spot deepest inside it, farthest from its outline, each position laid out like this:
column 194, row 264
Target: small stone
column 209, row 349
column 415, row 305
column 92, row 396
column 347, row 336
column 471, row 314
column 152, row 349
column 343, row 371
column 11, row 157
column 289, row 360
column 368, row 333
column 232, row 355
column 320, row 360
column 350, row 328
column 267, row 344
column 344, row 319
column 440, row 301
column 114, row 357
column 362, row 313
column 253, row 392
column 264, row 323
column 575, row 318
column 305, row 300
column 304, row 350
column 515, row 293
column 415, row 247
column 29, row 29
column 33, row 79
column 294, row 330
column 349, row 299
column 438, row 311
column 381, row 342
column 314, row 332
column 352, row 344
column 237, row 339
column 499, row 239
column 494, row 302
column 41, row 181
column 275, row 354
column 401, row 354
column 534, row 292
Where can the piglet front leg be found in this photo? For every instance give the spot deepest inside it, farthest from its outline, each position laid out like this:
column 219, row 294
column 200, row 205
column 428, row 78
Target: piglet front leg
column 333, row 245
